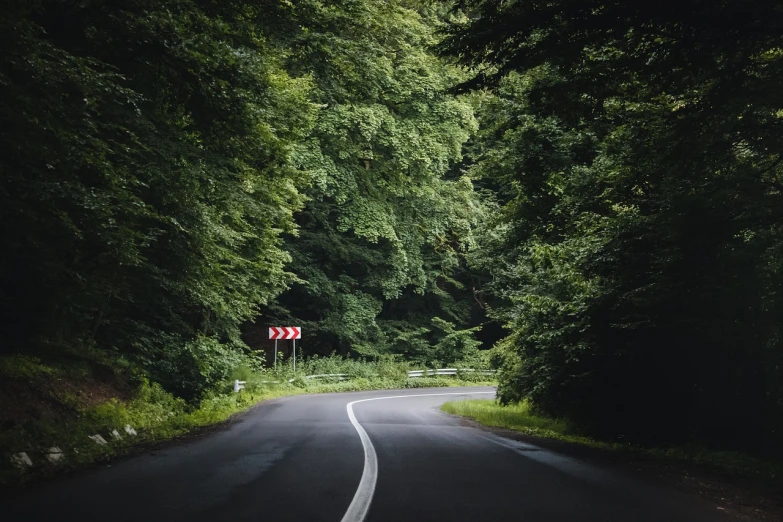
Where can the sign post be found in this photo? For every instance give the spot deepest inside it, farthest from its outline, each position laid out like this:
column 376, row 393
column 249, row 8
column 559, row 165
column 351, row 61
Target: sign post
column 285, row 332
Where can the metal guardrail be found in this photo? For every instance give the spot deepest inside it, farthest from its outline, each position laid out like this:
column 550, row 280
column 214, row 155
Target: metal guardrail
column 446, row 371
column 239, row 385
column 340, row 376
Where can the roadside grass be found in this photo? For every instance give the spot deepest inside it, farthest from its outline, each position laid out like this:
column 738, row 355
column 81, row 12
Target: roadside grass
column 156, row 415
column 519, row 417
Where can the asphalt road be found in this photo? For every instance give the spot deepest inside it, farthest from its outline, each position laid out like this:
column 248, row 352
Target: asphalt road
column 389, row 456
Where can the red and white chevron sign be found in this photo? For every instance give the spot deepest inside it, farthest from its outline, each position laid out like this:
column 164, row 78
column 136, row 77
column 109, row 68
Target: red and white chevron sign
column 285, row 332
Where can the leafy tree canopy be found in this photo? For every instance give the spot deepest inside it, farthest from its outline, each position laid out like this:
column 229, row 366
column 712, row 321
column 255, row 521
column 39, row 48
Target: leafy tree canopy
column 636, row 148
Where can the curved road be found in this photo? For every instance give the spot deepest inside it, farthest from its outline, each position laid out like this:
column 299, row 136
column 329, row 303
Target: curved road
column 374, row 456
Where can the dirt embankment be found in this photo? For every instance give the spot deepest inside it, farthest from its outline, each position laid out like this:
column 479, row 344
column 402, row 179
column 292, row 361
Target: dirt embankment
column 34, row 390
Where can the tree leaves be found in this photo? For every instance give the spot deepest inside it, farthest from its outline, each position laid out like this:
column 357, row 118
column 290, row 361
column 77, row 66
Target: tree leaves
column 170, row 168
column 148, row 177
column 629, row 147
column 386, row 219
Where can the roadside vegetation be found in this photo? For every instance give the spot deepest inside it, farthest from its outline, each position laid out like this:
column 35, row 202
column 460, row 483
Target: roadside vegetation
column 521, row 417
column 636, row 154
column 63, row 406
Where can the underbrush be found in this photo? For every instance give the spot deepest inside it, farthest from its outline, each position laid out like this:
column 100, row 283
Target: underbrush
column 519, row 417
column 151, row 414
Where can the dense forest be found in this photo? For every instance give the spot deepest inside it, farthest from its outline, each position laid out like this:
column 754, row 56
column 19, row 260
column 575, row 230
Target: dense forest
column 595, row 188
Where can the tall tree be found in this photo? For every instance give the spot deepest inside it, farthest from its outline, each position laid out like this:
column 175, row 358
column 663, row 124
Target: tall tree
column 146, row 178
column 638, row 252
column 388, row 217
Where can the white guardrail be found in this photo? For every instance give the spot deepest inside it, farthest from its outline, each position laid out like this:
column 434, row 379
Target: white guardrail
column 445, row 371
column 239, row 385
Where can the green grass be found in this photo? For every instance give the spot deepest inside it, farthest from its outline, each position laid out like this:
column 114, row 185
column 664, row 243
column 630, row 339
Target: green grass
column 519, row 417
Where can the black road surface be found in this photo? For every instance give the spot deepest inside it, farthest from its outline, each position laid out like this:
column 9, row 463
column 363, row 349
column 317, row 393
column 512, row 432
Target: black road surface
column 303, row 459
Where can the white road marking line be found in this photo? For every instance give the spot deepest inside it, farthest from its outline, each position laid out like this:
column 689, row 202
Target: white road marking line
column 362, row 499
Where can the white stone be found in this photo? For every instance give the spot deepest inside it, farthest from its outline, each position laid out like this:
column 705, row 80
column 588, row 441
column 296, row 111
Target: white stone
column 116, row 434
column 55, row 455
column 129, row 430
column 21, row 460
column 97, row 439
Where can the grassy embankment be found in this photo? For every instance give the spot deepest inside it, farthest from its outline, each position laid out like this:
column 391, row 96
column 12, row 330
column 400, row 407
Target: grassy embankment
column 520, row 418
column 61, row 403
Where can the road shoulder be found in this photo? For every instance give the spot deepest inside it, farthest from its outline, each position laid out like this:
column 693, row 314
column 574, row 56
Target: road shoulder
column 746, row 497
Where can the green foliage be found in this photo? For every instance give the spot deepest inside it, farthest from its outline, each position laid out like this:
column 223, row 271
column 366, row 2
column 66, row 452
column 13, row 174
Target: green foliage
column 171, row 167
column 634, row 154
column 389, row 217
column 205, row 360
column 455, row 345
column 25, row 367
column 382, row 367
column 147, row 179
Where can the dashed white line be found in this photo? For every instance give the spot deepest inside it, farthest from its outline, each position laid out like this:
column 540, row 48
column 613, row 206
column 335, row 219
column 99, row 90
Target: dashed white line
column 362, row 499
